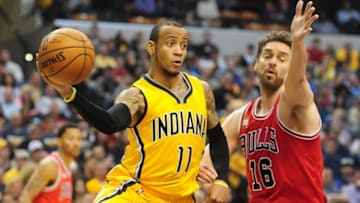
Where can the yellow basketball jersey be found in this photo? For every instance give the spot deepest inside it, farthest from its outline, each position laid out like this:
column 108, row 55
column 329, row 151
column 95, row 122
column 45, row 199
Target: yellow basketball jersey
column 166, row 146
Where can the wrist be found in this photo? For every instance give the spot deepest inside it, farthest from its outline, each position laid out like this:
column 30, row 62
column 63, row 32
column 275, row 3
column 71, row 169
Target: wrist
column 69, row 94
column 221, row 183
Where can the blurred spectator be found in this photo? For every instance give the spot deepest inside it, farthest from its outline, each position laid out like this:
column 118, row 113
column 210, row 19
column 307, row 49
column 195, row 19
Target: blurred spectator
column 145, row 7
column 13, row 191
column 348, row 18
column 206, row 46
column 36, row 150
column 20, row 169
column 329, row 185
column 348, row 56
column 315, row 52
column 94, row 35
column 47, row 99
column 333, row 152
column 95, row 183
column 354, row 85
column 347, row 170
column 237, row 178
column 103, row 58
column 248, row 58
column 121, row 45
column 79, row 189
column 11, row 66
column 285, row 10
column 10, row 104
column 208, row 12
column 270, row 12
column 325, row 25
column 353, row 119
column 225, row 91
column 35, row 85
column 15, row 128
column 353, row 189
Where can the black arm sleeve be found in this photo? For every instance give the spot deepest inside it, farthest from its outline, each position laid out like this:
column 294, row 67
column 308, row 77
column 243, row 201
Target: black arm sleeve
column 109, row 121
column 219, row 151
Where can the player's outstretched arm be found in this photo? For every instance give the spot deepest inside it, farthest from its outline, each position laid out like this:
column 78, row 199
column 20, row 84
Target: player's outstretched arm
column 44, row 173
column 219, row 152
column 297, row 89
column 297, row 108
column 117, row 118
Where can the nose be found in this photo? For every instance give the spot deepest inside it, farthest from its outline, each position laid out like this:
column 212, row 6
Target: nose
column 273, row 61
column 179, row 51
column 77, row 143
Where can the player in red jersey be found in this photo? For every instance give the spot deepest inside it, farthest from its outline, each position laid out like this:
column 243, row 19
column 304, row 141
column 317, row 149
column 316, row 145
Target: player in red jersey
column 51, row 182
column 278, row 132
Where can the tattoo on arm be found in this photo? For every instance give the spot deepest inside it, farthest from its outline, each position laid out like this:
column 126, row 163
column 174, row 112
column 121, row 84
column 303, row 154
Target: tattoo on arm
column 135, row 101
column 210, row 105
column 34, row 186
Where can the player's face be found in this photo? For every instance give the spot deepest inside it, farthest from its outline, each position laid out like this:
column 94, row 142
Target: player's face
column 171, row 49
column 70, row 142
column 272, row 65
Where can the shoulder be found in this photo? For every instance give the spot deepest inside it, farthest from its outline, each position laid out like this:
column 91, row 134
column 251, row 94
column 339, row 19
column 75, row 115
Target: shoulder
column 48, row 167
column 207, row 88
column 130, row 93
column 235, row 116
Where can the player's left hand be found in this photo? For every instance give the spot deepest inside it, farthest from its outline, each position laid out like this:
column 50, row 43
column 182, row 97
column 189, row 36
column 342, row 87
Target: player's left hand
column 218, row 194
column 207, row 174
column 303, row 20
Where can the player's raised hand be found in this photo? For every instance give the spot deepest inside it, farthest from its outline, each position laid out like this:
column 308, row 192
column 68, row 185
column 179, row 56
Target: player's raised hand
column 303, row 19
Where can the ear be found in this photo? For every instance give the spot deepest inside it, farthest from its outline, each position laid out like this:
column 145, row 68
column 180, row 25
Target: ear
column 58, row 142
column 150, row 47
column 254, row 67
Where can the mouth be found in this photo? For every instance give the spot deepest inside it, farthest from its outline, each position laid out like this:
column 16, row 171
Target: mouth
column 271, row 73
column 177, row 63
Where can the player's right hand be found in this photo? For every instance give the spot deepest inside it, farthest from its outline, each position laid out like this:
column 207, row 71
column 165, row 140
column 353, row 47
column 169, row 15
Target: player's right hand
column 207, row 174
column 64, row 90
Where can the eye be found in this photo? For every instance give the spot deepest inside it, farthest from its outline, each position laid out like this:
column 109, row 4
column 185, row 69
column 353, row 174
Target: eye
column 267, row 55
column 170, row 43
column 184, row 45
column 282, row 58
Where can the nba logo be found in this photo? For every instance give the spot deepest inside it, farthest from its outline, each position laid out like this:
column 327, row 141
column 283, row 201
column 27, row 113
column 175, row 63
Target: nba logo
column 245, row 123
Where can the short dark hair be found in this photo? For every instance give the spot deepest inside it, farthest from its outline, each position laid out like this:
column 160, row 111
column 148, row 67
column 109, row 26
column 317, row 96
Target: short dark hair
column 63, row 128
column 154, row 35
column 274, row 36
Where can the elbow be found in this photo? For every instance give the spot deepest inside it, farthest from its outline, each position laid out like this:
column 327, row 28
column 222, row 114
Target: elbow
column 109, row 130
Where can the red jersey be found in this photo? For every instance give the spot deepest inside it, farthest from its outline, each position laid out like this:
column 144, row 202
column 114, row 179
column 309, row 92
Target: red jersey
column 61, row 190
column 283, row 166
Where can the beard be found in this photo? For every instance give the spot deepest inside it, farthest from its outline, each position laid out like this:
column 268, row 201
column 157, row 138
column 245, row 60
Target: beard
column 170, row 73
column 270, row 84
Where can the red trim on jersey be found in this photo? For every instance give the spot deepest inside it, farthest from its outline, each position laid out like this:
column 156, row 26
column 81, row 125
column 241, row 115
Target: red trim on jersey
column 303, row 136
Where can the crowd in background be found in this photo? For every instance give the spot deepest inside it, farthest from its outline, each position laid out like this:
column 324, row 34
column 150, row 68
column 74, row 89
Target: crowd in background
column 336, row 17
column 31, row 112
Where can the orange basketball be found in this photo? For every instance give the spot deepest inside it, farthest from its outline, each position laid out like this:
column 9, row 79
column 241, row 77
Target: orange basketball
column 66, row 56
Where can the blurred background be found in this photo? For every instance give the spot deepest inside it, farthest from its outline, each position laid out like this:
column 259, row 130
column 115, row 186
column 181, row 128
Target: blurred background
column 222, row 51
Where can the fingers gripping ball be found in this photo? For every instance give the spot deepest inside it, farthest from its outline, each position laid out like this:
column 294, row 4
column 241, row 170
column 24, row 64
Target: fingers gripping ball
column 66, row 56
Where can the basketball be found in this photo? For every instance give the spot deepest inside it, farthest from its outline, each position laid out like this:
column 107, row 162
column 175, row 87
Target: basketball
column 66, row 56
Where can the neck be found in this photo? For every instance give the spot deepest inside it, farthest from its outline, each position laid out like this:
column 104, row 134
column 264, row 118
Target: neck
column 164, row 79
column 66, row 159
column 268, row 99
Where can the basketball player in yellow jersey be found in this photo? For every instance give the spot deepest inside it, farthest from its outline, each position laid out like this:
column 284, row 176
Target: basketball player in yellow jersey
column 169, row 115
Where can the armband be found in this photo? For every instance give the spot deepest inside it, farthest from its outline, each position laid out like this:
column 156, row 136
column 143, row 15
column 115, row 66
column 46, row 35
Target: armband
column 222, row 183
column 72, row 97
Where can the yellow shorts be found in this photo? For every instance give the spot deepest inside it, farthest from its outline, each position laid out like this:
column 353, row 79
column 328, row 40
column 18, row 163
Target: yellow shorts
column 127, row 190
